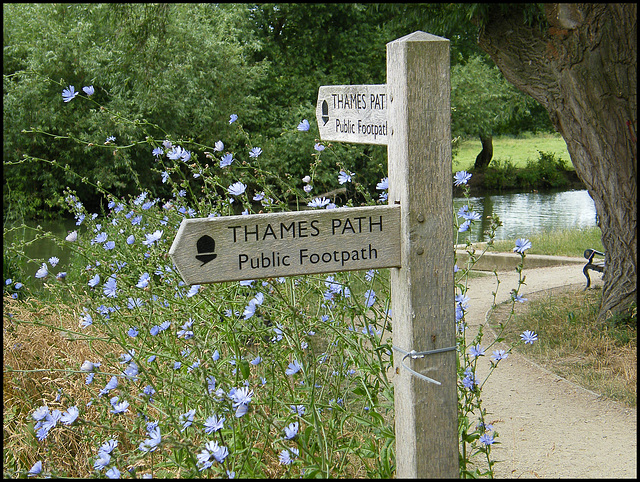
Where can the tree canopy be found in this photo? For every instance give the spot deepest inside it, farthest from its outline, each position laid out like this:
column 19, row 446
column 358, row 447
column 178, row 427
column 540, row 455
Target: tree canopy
column 180, row 70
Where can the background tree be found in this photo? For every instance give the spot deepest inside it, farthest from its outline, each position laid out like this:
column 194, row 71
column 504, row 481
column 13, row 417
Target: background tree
column 484, row 103
column 183, row 67
column 580, row 62
column 309, row 45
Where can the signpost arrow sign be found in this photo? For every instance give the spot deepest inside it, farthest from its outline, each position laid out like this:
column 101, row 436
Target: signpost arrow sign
column 353, row 113
column 231, row 248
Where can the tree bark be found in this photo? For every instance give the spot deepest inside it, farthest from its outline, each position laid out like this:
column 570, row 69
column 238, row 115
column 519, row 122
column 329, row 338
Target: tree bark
column 486, row 154
column 582, row 69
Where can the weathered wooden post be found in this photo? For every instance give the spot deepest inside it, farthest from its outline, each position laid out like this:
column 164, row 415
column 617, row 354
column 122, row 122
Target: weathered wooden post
column 413, row 236
column 422, row 293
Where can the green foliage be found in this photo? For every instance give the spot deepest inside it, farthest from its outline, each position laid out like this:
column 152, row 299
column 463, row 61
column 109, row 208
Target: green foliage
column 483, row 102
column 500, row 175
column 187, row 67
column 309, row 45
column 544, row 173
column 180, row 65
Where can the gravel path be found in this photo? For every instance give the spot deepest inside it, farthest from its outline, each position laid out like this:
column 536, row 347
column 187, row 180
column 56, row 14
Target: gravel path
column 548, row 426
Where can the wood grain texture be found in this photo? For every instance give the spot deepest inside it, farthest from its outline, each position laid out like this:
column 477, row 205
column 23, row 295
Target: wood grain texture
column 287, row 244
column 422, row 290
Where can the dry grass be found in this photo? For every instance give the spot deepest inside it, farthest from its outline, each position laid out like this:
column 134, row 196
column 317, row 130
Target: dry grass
column 602, row 358
column 32, row 340
column 37, row 353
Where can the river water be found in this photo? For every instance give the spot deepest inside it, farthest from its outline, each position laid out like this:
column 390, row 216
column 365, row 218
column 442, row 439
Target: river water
column 522, row 215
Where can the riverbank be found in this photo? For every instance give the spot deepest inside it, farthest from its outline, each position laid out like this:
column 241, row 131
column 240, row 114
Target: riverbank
column 568, row 180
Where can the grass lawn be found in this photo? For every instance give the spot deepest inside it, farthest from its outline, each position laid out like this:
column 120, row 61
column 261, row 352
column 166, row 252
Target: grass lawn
column 559, row 242
column 516, row 149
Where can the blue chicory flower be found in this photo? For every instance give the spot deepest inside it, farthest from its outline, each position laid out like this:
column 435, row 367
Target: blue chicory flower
column 143, row 282
column 112, row 473
column 486, row 438
column 36, row 469
column 287, row 456
column 529, row 337
column 344, row 177
column 461, row 177
column 519, row 298
column 383, row 185
column 70, row 415
column 370, row 298
column 476, row 351
column 108, row 446
column 237, row 188
column 291, row 431
column 522, row 244
column 193, row 291
column 499, row 355
column 293, row 368
column 89, row 90
column 318, row 202
column 109, row 287
column 213, row 424
column 304, row 125
column 69, row 93
column 152, row 238
column 186, row 419
column 120, row 407
column 150, row 444
column 43, row 271
column 102, row 461
column 226, row 160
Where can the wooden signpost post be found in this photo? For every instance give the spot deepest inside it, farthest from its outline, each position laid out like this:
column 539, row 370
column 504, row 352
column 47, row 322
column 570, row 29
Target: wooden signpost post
column 422, row 290
column 413, row 236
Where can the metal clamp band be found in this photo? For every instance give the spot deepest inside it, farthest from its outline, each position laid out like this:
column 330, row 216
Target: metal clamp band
column 420, row 354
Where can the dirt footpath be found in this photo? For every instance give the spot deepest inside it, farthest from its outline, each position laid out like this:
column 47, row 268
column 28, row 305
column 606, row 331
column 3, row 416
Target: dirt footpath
column 548, row 426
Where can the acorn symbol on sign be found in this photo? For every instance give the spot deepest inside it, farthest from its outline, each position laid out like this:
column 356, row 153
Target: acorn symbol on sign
column 325, row 112
column 206, row 246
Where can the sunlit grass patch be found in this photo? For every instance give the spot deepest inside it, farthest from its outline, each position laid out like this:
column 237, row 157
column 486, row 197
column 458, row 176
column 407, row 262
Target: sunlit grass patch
column 518, row 150
column 559, row 242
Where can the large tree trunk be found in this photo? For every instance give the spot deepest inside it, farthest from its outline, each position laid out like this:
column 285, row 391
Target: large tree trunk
column 582, row 69
column 486, row 154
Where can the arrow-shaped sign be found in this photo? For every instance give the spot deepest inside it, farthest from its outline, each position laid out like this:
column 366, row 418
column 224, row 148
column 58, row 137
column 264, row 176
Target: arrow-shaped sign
column 229, row 248
column 353, row 113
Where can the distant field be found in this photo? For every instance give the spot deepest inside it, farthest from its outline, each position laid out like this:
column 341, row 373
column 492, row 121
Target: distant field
column 517, row 150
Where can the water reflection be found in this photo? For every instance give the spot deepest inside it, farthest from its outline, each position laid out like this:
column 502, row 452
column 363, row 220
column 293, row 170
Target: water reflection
column 524, row 214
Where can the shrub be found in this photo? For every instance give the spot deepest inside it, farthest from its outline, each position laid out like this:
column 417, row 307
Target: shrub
column 546, row 172
column 500, row 175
